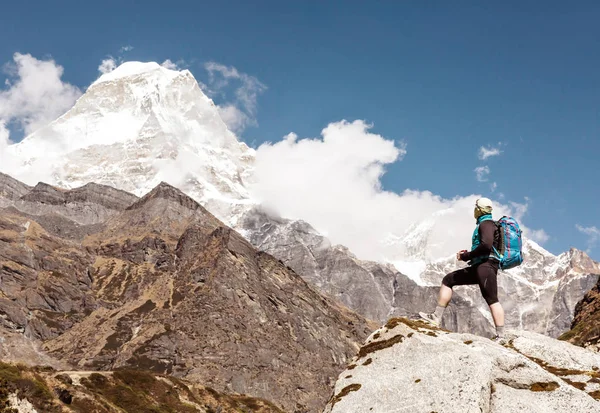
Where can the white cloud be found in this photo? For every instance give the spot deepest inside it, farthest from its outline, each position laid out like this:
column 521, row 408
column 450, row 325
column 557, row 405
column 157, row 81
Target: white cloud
column 482, row 172
column 234, row 118
column 493, row 186
column 126, row 49
column 107, row 65
column 35, row 93
column 4, row 137
column 487, row 152
column 334, row 183
column 168, row 64
column 593, row 234
column 241, row 111
column 539, row 235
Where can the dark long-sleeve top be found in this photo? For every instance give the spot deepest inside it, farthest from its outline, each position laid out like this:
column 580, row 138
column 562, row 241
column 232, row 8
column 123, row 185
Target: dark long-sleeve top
column 487, row 230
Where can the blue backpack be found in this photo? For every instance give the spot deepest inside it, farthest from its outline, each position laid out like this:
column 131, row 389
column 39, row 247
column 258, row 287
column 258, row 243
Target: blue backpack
column 510, row 254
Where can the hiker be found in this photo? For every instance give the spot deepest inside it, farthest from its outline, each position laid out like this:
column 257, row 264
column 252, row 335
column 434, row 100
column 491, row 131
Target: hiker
column 482, row 270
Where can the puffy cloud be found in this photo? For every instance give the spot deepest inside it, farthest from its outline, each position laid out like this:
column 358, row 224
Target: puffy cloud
column 481, row 173
column 126, row 49
column 538, row 235
column 241, row 111
column 487, row 152
column 107, row 65
column 168, row 64
column 234, row 118
column 493, row 186
column 334, row 183
column 593, row 234
column 35, row 93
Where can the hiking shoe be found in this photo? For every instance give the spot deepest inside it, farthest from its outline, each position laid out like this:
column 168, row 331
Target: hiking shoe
column 500, row 340
column 430, row 318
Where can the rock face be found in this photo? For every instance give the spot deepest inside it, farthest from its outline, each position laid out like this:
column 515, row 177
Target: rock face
column 585, row 330
column 539, row 296
column 408, row 366
column 90, row 204
column 162, row 285
column 11, row 189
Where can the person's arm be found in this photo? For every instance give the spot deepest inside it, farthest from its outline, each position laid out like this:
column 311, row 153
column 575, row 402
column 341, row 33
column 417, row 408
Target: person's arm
column 486, row 235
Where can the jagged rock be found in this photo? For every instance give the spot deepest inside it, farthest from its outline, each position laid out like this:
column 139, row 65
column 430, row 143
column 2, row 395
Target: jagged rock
column 585, row 330
column 163, row 285
column 409, row 366
column 11, row 190
column 87, row 205
column 539, row 296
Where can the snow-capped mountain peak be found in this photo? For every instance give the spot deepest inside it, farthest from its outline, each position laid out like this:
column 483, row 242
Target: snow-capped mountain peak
column 135, row 127
column 130, row 69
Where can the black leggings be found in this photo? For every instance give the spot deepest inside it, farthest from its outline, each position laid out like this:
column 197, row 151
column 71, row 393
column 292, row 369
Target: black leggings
column 484, row 274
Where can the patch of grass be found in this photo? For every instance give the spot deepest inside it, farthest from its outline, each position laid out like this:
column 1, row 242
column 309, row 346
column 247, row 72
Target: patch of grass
column 136, row 391
column 369, row 361
column 379, row 345
column 27, row 385
column 9, row 372
column 572, row 333
column 414, row 324
column 577, row 384
column 345, row 391
column 595, row 394
column 145, row 308
column 468, row 342
column 549, row 386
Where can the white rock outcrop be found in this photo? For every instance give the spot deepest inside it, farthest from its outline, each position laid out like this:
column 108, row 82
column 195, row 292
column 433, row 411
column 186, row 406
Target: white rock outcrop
column 410, row 367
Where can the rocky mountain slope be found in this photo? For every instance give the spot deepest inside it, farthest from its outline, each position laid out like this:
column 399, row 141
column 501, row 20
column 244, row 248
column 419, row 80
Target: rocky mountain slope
column 539, row 296
column 169, row 130
column 43, row 390
column 162, row 285
column 409, row 366
column 585, row 329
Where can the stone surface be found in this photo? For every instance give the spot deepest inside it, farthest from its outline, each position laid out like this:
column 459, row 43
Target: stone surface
column 539, row 296
column 585, row 330
column 408, row 366
column 162, row 285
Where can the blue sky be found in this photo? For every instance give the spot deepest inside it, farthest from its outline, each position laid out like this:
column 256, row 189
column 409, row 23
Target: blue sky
column 445, row 79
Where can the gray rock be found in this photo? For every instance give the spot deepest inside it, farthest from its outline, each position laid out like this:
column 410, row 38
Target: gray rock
column 409, row 367
column 539, row 296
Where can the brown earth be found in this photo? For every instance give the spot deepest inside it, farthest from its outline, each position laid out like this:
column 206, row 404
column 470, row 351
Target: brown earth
column 585, row 329
column 164, row 286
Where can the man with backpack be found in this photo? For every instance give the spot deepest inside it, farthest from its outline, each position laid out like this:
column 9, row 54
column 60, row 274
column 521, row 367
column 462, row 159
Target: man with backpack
column 486, row 256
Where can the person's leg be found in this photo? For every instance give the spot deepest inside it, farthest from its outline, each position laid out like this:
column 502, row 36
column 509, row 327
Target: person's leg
column 498, row 316
column 463, row 276
column 444, row 296
column 487, row 274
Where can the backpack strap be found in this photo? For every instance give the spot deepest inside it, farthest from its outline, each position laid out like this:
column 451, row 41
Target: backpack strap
column 500, row 234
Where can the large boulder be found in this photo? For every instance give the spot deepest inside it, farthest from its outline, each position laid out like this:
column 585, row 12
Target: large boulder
column 409, row 366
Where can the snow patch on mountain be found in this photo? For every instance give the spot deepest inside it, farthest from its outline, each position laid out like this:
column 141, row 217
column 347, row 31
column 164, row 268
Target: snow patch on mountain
column 135, row 127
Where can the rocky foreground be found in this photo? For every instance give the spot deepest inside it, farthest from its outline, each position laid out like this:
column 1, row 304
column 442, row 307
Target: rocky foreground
column 43, row 390
column 409, row 366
